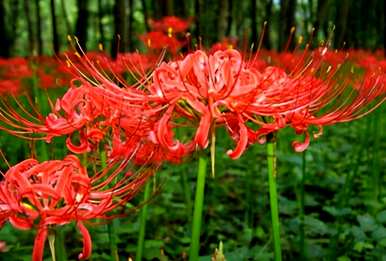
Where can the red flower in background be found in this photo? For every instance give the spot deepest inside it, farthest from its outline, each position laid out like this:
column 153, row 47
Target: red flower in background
column 159, row 41
column 17, row 67
column 10, row 87
column 170, row 24
column 226, row 43
column 167, row 33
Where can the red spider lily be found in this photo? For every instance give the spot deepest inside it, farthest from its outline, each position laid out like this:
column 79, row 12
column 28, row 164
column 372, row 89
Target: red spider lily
column 159, row 41
column 17, row 67
column 310, row 101
column 226, row 43
column 208, row 88
column 170, row 24
column 135, row 64
column 60, row 192
column 9, row 87
column 87, row 115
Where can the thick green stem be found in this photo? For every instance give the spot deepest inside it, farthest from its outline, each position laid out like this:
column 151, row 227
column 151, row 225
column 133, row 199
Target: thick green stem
column 142, row 226
column 302, row 197
column 271, row 157
column 198, row 207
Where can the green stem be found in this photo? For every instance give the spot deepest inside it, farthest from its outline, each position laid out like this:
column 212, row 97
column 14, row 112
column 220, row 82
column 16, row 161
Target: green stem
column 198, row 207
column 51, row 242
column 42, row 104
column 142, row 224
column 302, row 197
column 271, row 157
column 59, row 245
column 110, row 226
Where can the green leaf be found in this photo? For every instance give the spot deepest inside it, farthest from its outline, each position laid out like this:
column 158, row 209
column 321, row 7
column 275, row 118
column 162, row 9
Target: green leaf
column 337, row 212
column 381, row 217
column 379, row 233
column 360, row 246
column 315, row 226
column 358, row 233
column 366, row 222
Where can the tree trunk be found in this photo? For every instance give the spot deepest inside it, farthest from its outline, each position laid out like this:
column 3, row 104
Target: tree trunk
column 222, row 19
column 341, row 23
column 5, row 42
column 384, row 28
column 287, row 22
column 55, row 37
column 38, row 28
column 14, row 19
column 268, row 15
column 253, row 13
column 65, row 17
column 81, row 24
column 321, row 10
column 230, row 18
column 145, row 12
column 198, row 9
column 100, row 24
column 120, row 23
column 31, row 36
column 181, row 8
column 163, row 8
column 130, row 26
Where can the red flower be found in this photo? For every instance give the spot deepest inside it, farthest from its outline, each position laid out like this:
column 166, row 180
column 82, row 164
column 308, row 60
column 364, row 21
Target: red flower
column 59, row 192
column 170, row 24
column 207, row 88
column 158, row 41
column 9, row 87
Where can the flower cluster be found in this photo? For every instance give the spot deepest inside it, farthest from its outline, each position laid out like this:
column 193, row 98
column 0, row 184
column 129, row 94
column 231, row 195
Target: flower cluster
column 167, row 33
column 58, row 192
column 136, row 110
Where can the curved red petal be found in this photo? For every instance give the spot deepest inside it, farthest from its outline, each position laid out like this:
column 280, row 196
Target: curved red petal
column 302, row 146
column 241, row 144
column 40, row 240
column 87, row 247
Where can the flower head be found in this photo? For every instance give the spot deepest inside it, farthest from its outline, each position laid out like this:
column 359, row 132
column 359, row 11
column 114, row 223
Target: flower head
column 58, row 192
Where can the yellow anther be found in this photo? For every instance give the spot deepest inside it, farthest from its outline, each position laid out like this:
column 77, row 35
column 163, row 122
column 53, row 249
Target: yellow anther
column 300, row 40
column 27, row 205
column 170, row 32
